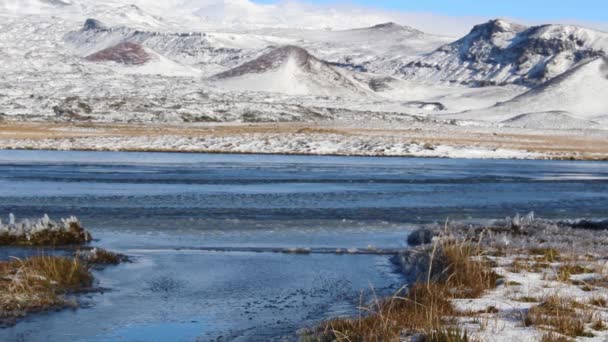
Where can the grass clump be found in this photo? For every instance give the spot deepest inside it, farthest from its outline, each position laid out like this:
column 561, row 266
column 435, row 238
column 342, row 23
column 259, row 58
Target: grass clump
column 424, row 308
column 513, row 283
column 553, row 337
column 456, row 270
column 464, row 270
column 43, row 232
column 545, row 254
column 100, row 256
column 446, row 335
column 560, row 315
column 564, row 272
column 599, row 301
column 39, row 284
column 527, row 299
column 598, row 325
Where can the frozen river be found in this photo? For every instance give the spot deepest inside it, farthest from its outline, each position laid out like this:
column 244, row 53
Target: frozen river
column 199, row 227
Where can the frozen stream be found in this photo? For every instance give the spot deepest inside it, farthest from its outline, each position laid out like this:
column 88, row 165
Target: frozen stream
column 167, row 210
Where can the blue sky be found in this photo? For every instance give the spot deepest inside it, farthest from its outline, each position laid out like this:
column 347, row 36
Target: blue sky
column 537, row 10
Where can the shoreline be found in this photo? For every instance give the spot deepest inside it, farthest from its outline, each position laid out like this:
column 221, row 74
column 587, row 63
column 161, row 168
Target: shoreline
column 378, row 139
column 302, row 154
column 525, row 289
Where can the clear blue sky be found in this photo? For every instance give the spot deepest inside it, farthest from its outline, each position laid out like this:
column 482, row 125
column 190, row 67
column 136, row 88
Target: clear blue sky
column 582, row 10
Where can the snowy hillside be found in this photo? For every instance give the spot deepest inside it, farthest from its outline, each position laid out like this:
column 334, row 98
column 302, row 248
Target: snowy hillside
column 291, row 70
column 499, row 52
column 578, row 94
column 377, row 49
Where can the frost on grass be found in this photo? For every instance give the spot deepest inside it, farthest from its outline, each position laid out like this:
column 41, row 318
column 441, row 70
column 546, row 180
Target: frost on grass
column 43, row 232
column 516, row 279
column 96, row 257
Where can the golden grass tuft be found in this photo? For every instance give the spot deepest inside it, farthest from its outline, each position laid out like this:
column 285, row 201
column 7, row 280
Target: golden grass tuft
column 598, row 324
column 599, row 301
column 553, row 337
column 564, row 272
column 465, row 270
column 425, row 308
column 39, row 284
column 457, row 270
column 562, row 315
column 545, row 254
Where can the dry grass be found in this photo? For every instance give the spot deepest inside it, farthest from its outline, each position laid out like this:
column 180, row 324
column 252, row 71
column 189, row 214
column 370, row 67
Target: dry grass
column 598, row 324
column 447, row 335
column 425, row 307
column 561, row 315
column 553, row 337
column 527, row 299
column 599, row 301
column 536, row 265
column 545, row 254
column 564, row 272
column 465, row 270
column 39, row 284
column 457, row 270
column 99, row 256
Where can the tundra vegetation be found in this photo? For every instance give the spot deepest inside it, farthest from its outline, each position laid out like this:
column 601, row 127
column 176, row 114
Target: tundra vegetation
column 47, row 282
column 538, row 279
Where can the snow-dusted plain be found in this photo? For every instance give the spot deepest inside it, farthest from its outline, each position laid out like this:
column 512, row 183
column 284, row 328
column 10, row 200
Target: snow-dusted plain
column 89, row 62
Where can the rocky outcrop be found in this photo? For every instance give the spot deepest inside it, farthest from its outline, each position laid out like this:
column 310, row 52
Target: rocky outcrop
column 123, row 53
column 94, row 25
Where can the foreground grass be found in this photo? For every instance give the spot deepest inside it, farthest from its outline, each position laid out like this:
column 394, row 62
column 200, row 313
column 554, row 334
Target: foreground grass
column 527, row 279
column 565, row 316
column 456, row 270
column 39, row 284
column 44, row 283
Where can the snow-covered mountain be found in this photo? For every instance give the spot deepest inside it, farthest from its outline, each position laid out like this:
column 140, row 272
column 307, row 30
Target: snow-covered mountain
column 500, row 52
column 291, row 70
column 221, row 60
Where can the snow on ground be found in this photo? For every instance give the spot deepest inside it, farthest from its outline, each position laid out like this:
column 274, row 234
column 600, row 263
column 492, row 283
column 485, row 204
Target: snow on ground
column 521, row 290
column 555, row 267
column 550, row 120
column 271, row 143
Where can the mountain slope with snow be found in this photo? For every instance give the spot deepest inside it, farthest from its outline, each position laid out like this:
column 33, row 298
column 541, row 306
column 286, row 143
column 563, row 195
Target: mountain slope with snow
column 499, row 52
column 580, row 92
column 290, row 70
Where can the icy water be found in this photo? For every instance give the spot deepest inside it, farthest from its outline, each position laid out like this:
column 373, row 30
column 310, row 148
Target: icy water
column 200, row 229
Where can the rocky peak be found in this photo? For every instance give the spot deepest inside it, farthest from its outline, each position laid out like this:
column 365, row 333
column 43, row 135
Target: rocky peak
column 393, row 27
column 94, row 25
column 500, row 52
column 495, row 26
